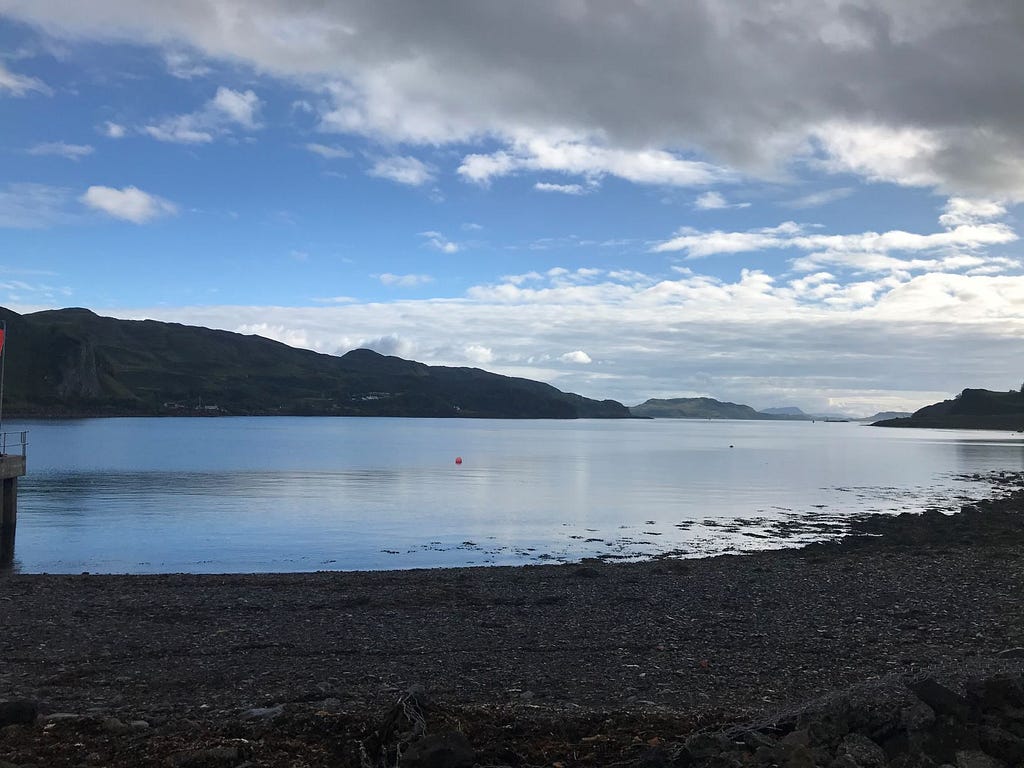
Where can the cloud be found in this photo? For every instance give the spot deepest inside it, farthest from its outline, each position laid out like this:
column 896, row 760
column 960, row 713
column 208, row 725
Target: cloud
column 715, row 201
column 113, row 130
column 439, row 242
column 479, row 354
column 565, row 189
column 184, row 66
column 33, row 206
column 916, row 93
column 817, row 199
column 645, row 166
column 60, row 149
column 228, row 109
column 404, row 281
column 328, row 152
column 403, row 170
column 966, row 229
column 14, row 84
column 578, row 357
column 130, row 204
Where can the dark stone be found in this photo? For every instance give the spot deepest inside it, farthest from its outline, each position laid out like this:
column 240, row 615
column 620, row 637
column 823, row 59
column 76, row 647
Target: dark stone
column 973, row 758
column 940, row 698
column 18, row 712
column 655, row 757
column 587, row 572
column 1001, row 692
column 450, row 749
column 1001, row 744
column 1012, row 653
column 863, row 750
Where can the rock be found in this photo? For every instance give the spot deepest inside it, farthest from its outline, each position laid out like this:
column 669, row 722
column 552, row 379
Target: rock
column 864, row 752
column 1011, row 653
column 450, row 749
column 798, row 756
column 263, row 713
column 18, row 712
column 114, row 726
column 1001, row 744
column 139, row 725
column 1001, row 692
column 843, row 761
column 974, row 758
column 940, row 698
column 214, row 757
column 917, row 717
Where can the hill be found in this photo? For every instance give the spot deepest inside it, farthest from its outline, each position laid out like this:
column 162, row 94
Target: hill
column 72, row 362
column 698, row 408
column 789, row 411
column 971, row 409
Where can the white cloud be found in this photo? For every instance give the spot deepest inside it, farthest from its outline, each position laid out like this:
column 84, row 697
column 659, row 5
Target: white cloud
column 130, row 204
column 479, row 354
column 565, row 189
column 439, row 242
column 239, row 107
column 403, row 170
column 328, row 152
column 183, row 66
column 578, row 357
column 570, row 156
column 967, row 229
column 228, row 109
column 60, row 149
column 404, row 281
column 817, row 199
column 715, row 201
column 20, row 85
column 113, row 130
column 960, row 211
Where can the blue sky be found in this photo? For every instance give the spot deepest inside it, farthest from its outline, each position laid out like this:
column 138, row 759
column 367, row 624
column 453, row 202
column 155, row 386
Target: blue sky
column 811, row 205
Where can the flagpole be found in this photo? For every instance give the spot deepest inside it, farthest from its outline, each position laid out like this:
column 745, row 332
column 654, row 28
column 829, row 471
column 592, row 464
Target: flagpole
column 3, row 361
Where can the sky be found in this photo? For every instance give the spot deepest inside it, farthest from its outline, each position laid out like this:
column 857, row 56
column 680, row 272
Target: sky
column 798, row 202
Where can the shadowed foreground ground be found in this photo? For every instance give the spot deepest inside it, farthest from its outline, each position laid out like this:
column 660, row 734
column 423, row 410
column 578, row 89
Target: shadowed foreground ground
column 532, row 660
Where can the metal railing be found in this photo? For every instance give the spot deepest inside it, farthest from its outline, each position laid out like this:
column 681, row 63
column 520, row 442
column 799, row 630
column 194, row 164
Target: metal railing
column 13, row 439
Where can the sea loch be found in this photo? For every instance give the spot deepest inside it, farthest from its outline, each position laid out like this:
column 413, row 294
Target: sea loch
column 302, row 494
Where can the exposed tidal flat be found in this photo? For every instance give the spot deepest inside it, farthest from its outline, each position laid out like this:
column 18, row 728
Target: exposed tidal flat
column 138, row 495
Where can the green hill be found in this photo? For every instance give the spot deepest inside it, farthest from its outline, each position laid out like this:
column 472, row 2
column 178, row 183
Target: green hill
column 72, row 362
column 698, row 408
column 971, row 409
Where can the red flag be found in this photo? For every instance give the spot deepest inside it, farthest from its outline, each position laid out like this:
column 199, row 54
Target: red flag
column 2, row 334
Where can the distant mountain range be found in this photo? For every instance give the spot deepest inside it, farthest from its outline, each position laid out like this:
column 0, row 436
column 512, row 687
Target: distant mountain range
column 703, row 408
column 971, row 409
column 72, row 362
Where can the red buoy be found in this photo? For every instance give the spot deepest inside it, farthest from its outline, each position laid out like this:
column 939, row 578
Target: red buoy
column 458, row 459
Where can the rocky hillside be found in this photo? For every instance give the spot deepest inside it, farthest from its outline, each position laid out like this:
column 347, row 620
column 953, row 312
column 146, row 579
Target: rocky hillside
column 971, row 409
column 699, row 408
column 72, row 362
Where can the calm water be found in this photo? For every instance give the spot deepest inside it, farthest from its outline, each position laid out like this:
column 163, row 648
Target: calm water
column 299, row 494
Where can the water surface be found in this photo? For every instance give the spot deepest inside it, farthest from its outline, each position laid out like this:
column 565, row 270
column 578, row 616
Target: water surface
column 300, row 494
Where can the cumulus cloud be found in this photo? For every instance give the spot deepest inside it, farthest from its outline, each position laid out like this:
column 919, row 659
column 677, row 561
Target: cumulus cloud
column 129, row 204
column 479, row 354
column 227, row 110
column 60, row 149
column 403, row 170
column 967, row 223
column 578, row 357
column 581, row 158
column 916, row 92
column 13, row 84
column 113, row 130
